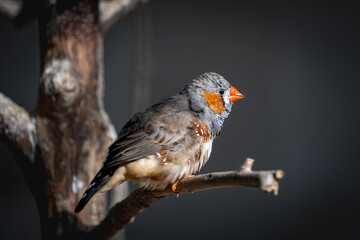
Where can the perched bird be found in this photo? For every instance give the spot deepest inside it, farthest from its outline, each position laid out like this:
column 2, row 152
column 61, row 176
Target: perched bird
column 168, row 141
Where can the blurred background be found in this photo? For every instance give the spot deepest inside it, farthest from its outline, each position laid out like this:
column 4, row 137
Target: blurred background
column 298, row 65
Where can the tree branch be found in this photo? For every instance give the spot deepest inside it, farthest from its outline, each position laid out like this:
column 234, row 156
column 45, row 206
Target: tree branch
column 124, row 212
column 11, row 8
column 17, row 127
column 19, row 12
column 112, row 10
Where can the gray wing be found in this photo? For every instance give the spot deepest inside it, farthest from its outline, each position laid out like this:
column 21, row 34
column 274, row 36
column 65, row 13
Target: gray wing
column 146, row 134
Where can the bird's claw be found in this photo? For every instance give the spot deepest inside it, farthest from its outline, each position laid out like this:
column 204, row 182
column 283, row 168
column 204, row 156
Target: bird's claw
column 174, row 185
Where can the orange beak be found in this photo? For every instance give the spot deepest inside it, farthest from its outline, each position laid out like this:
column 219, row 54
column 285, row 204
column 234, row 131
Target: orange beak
column 235, row 94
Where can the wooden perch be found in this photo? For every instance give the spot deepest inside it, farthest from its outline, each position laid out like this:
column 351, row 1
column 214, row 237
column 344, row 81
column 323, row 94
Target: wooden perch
column 124, row 212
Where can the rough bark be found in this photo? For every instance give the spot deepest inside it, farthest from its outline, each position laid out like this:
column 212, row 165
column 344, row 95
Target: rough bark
column 65, row 140
column 61, row 146
column 73, row 128
column 17, row 128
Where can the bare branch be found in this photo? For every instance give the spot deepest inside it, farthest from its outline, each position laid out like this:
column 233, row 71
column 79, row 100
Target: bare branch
column 124, row 212
column 17, row 127
column 112, row 10
column 11, row 9
column 19, row 12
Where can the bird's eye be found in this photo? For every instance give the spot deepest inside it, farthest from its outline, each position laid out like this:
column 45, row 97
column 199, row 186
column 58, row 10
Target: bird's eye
column 221, row 92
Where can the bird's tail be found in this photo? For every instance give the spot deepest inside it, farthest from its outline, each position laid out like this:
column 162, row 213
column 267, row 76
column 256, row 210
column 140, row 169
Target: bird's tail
column 96, row 184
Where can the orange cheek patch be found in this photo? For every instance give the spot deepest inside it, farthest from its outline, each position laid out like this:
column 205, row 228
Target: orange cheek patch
column 215, row 102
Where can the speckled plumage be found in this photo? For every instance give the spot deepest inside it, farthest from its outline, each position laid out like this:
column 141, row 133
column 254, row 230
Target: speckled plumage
column 167, row 141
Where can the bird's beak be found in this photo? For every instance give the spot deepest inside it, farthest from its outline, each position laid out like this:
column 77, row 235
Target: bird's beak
column 235, row 94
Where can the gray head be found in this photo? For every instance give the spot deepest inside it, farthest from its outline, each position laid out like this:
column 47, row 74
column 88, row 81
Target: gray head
column 212, row 96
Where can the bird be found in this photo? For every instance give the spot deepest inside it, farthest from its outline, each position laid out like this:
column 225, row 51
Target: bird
column 168, row 141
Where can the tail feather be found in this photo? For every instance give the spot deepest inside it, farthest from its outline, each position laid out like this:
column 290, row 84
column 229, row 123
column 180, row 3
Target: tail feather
column 96, row 184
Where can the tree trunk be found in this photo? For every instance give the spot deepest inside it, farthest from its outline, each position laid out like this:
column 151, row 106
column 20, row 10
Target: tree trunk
column 73, row 128
column 61, row 146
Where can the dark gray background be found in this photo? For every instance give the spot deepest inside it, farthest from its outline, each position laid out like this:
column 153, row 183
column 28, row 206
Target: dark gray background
column 297, row 63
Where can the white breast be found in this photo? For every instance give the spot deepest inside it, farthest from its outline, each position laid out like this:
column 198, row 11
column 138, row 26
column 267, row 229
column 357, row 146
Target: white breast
column 145, row 171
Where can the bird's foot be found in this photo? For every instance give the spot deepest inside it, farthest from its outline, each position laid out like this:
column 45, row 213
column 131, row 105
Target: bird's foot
column 174, row 185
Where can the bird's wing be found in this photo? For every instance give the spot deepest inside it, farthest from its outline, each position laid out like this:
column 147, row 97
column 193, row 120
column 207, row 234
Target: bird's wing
column 144, row 135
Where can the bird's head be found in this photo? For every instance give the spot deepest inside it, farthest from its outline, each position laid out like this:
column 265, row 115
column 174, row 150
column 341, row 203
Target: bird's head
column 212, row 95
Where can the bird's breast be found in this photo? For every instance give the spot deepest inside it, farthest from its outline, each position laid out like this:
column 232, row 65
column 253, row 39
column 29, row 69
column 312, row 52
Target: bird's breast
column 165, row 167
column 184, row 157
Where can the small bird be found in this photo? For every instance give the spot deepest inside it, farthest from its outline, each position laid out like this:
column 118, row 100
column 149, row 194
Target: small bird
column 168, row 141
